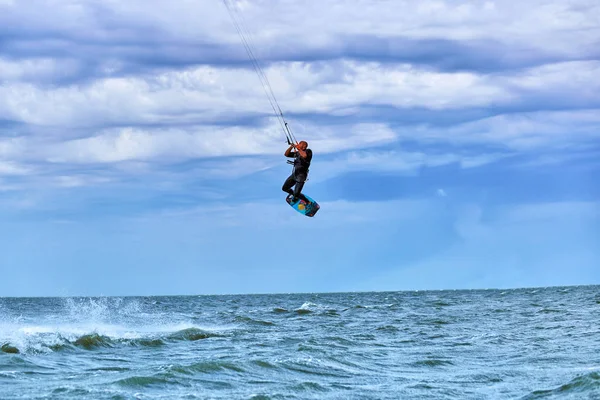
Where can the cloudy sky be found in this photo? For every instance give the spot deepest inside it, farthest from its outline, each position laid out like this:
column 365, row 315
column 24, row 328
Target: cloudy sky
column 456, row 145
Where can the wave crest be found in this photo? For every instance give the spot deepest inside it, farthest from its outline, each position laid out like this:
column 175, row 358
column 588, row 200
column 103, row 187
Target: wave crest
column 583, row 385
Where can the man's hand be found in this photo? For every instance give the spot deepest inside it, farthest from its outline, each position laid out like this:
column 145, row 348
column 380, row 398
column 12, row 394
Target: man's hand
column 289, row 150
column 301, row 152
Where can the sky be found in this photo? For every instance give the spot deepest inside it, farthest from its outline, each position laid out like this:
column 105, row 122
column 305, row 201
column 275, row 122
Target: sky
column 456, row 146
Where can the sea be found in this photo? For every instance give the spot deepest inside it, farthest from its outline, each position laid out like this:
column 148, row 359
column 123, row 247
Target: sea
column 531, row 343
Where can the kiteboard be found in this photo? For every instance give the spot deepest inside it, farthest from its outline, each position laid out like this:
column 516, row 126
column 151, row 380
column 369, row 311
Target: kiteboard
column 309, row 209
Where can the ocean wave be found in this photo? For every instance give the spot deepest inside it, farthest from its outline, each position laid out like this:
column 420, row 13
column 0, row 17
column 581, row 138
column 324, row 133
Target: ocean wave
column 460, row 344
column 306, row 308
column 47, row 339
column 549, row 311
column 316, row 309
column 330, row 313
column 34, row 343
column 109, row 369
column 93, row 340
column 248, row 320
column 192, row 334
column 487, row 378
column 432, row 363
column 207, row 367
column 264, row 364
column 309, row 387
column 209, row 347
column 433, row 322
column 10, row 374
column 338, row 341
column 271, row 397
column 316, row 367
column 70, row 391
column 89, row 341
column 147, row 342
column 146, row 381
column 388, row 328
column 583, row 386
column 8, row 348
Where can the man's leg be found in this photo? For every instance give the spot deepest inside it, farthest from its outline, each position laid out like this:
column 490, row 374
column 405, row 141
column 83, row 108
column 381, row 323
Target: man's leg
column 300, row 179
column 287, row 185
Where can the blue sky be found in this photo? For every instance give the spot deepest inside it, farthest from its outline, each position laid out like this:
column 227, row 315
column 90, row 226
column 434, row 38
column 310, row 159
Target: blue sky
column 456, row 145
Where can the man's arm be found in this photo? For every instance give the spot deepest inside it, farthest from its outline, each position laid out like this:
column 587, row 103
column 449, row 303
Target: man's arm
column 302, row 153
column 289, row 152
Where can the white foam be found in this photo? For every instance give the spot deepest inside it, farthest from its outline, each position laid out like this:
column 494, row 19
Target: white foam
column 307, row 306
column 114, row 318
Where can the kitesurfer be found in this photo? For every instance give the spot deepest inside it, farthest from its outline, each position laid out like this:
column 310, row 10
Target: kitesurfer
column 302, row 158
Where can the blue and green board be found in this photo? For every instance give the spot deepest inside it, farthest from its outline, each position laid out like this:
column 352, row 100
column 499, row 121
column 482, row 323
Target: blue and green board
column 309, row 209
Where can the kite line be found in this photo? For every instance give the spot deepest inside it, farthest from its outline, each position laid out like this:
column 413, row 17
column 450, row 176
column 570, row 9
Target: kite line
column 244, row 34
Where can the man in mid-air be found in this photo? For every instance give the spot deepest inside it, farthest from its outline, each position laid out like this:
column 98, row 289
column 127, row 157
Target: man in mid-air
column 302, row 157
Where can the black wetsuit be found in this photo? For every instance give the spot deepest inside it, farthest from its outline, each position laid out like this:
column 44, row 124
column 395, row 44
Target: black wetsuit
column 299, row 174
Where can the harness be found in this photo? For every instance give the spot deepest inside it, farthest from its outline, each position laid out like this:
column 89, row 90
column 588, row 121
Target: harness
column 297, row 161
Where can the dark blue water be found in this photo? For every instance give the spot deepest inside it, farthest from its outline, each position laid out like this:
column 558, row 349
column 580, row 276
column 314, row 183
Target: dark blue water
column 487, row 344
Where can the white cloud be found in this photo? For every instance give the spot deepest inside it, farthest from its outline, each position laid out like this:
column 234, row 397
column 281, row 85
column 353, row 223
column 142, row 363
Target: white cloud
column 173, row 145
column 314, row 23
column 576, row 79
column 10, row 168
column 401, row 86
column 205, row 94
column 317, row 21
column 400, row 162
column 200, row 96
column 36, row 69
column 518, row 131
column 180, row 109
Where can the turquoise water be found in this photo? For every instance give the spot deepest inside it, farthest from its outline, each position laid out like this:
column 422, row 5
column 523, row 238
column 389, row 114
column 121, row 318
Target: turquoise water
column 481, row 344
